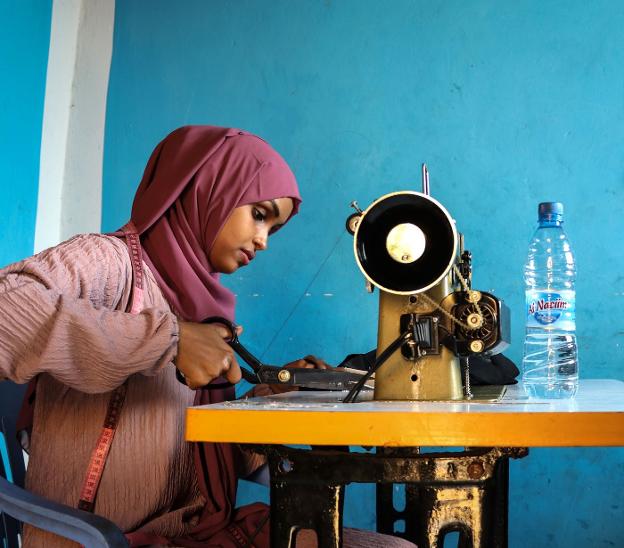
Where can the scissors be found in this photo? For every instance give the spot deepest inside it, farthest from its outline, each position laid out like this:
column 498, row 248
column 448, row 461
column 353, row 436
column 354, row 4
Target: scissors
column 260, row 373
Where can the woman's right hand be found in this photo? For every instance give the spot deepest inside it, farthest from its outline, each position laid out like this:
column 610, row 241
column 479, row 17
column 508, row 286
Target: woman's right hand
column 203, row 354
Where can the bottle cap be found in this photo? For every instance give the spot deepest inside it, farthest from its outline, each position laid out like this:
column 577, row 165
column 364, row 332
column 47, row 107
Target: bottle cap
column 550, row 211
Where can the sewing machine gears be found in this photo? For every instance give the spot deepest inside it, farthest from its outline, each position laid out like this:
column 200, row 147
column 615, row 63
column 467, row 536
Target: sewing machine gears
column 481, row 322
column 404, row 242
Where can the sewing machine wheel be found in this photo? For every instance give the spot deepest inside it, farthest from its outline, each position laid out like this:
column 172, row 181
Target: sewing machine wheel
column 405, row 242
column 486, row 332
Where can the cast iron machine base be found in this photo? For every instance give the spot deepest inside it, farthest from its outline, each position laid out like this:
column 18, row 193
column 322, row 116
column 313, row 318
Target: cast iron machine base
column 464, row 491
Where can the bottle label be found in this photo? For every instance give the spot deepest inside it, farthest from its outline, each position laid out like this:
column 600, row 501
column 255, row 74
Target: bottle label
column 551, row 309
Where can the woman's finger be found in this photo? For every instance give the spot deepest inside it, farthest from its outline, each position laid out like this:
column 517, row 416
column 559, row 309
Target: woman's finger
column 223, row 331
column 317, row 362
column 233, row 373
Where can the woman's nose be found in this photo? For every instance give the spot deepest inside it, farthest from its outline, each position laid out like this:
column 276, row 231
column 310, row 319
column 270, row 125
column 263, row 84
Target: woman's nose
column 260, row 241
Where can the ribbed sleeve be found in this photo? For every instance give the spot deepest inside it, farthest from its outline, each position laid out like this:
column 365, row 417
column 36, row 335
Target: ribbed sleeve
column 63, row 314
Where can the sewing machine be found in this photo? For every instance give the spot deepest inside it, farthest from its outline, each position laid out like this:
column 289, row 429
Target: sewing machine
column 407, row 245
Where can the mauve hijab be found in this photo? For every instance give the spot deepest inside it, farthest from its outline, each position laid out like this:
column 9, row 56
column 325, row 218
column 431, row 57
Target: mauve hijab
column 192, row 182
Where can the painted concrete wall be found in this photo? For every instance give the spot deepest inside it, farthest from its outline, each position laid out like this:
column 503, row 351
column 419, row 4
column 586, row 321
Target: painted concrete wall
column 70, row 182
column 24, row 44
column 509, row 103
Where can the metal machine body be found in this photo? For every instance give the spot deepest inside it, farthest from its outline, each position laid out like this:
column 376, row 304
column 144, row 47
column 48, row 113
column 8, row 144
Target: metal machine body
column 435, row 374
column 406, row 244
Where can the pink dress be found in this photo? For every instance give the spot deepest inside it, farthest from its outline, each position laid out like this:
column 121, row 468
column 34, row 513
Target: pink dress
column 63, row 318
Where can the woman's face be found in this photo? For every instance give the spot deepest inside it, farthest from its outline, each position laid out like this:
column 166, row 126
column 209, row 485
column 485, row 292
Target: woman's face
column 246, row 232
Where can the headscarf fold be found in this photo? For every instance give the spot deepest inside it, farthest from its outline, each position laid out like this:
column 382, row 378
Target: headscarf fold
column 193, row 181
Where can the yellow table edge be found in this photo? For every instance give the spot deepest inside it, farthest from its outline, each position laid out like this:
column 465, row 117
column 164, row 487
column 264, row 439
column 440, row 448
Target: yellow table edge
column 398, row 429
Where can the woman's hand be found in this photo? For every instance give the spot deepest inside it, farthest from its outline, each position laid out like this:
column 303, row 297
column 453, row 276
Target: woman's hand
column 204, row 354
column 309, row 362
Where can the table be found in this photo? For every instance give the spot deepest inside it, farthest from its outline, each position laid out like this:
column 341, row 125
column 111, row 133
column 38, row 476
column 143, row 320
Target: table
column 474, row 481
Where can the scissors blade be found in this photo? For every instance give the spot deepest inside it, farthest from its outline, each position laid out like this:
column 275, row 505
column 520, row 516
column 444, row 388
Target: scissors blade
column 319, row 379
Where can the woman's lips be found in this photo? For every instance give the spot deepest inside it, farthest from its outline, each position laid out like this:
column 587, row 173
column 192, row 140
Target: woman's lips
column 246, row 256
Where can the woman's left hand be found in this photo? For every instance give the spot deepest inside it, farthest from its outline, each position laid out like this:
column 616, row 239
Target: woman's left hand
column 309, row 362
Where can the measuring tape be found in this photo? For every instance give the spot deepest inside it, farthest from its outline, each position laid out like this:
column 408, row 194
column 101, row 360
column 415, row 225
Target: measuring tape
column 100, row 452
column 115, row 404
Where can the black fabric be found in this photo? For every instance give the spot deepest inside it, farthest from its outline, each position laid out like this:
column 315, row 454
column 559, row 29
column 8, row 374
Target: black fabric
column 363, row 362
column 496, row 369
column 484, row 370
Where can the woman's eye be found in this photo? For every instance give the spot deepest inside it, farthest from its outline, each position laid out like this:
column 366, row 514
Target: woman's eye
column 258, row 214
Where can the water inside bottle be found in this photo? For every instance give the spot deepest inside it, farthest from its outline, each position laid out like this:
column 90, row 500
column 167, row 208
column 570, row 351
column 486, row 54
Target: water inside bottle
column 550, row 365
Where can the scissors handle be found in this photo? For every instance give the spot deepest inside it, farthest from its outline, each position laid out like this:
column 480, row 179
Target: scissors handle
column 229, row 325
column 253, row 362
column 233, row 341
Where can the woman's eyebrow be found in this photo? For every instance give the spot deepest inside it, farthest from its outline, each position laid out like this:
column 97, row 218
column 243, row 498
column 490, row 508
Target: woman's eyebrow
column 276, row 210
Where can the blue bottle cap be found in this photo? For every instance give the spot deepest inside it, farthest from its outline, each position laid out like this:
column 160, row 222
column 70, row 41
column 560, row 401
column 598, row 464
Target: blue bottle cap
column 550, row 211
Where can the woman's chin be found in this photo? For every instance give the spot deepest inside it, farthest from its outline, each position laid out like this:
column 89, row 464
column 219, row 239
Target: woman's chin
column 230, row 269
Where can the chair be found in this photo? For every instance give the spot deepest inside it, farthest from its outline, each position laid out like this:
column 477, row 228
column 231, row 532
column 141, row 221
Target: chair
column 20, row 506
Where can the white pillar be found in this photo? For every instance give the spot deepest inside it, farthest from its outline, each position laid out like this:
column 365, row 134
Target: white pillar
column 70, row 176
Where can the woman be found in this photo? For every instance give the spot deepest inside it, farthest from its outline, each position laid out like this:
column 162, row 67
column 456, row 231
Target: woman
column 102, row 314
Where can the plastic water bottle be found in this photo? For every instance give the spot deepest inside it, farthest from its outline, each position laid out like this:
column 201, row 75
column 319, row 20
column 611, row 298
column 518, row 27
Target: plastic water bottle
column 550, row 363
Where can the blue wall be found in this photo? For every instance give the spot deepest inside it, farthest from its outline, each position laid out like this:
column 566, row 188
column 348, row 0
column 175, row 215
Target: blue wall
column 508, row 103
column 24, row 43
